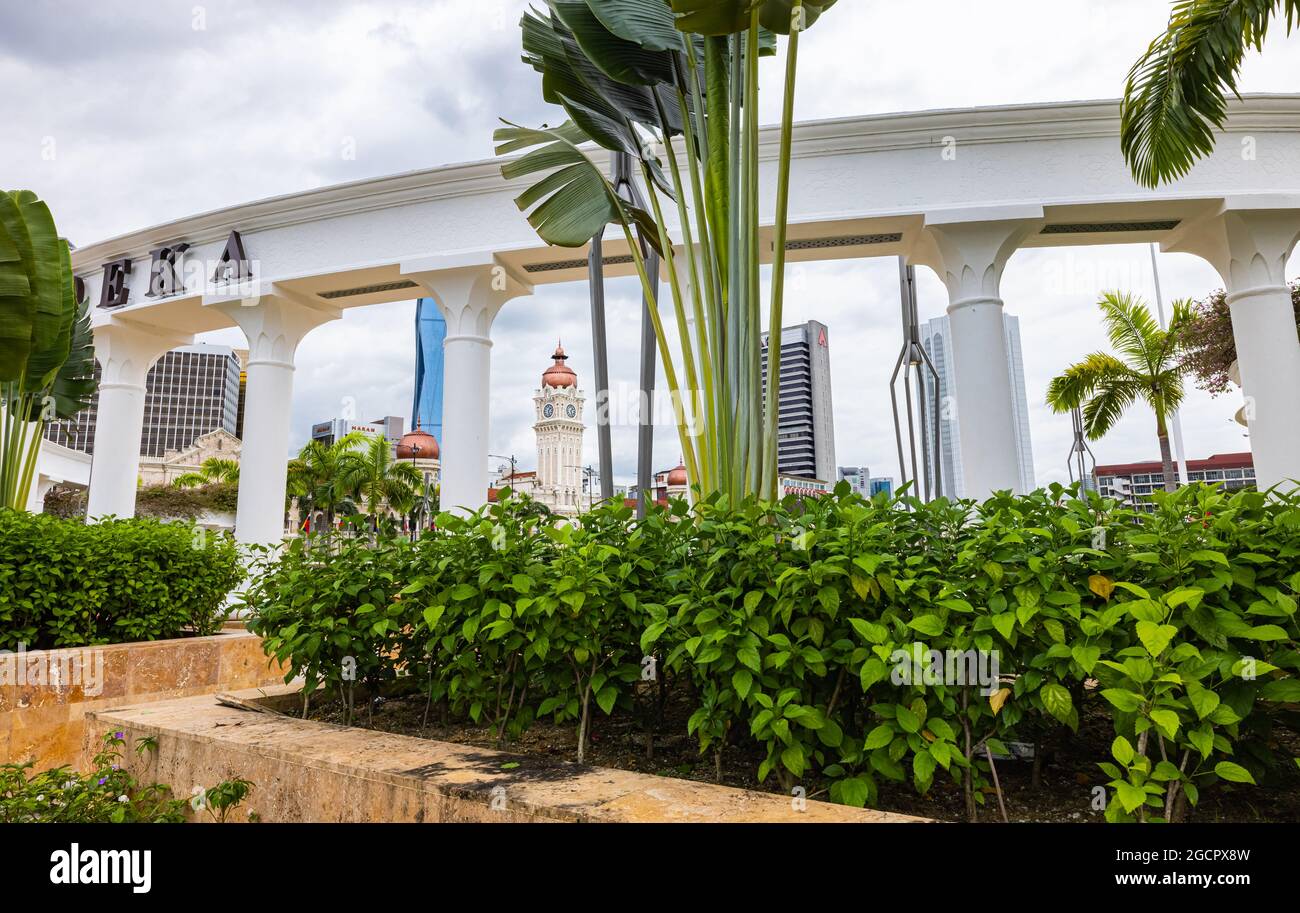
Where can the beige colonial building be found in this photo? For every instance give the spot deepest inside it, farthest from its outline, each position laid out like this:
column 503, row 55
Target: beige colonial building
column 219, row 444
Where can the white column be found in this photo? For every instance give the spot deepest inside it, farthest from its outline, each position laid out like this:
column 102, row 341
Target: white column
column 470, row 295
column 274, row 326
column 125, row 353
column 1249, row 247
column 969, row 257
column 41, row 486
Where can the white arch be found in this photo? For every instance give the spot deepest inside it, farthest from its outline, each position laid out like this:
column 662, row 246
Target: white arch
column 956, row 190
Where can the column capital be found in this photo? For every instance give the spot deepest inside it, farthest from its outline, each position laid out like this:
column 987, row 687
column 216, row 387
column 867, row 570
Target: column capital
column 274, row 324
column 470, row 290
column 1248, row 242
column 126, row 351
column 969, row 250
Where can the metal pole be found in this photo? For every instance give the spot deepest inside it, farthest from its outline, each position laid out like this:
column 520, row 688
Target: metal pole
column 600, row 353
column 1177, row 422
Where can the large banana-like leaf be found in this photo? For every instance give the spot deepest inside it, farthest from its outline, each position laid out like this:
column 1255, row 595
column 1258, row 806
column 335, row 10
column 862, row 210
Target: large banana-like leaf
column 74, row 384
column 778, row 15
column 17, row 310
column 51, row 292
column 729, row 17
column 602, row 108
column 574, row 202
column 618, row 58
column 649, row 23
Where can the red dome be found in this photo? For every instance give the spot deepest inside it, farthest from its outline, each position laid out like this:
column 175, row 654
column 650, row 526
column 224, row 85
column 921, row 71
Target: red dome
column 417, row 444
column 559, row 374
column 677, row 476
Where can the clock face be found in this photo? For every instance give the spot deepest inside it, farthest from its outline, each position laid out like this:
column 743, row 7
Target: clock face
column 572, row 411
column 548, row 410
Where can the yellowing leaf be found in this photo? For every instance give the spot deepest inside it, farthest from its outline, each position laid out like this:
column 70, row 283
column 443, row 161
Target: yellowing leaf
column 1101, row 585
column 998, row 698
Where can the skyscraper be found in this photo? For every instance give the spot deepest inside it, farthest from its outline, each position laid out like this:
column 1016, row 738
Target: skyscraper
column 805, row 425
column 188, row 392
column 430, row 333
column 937, row 338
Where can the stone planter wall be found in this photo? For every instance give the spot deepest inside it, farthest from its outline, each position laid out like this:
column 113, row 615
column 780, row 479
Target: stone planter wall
column 45, row 694
column 308, row 771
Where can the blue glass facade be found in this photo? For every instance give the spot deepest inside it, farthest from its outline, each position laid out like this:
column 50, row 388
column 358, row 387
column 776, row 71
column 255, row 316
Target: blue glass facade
column 430, row 333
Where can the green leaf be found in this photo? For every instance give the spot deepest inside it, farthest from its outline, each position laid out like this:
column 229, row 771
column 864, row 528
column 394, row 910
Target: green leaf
column 1086, row 655
column 907, row 719
column 742, row 680
column 1057, row 700
column 1122, row 699
column 879, row 737
column 1166, row 720
column 929, row 625
column 1155, row 637
column 1130, row 797
column 1233, row 773
column 1122, row 750
column 606, row 698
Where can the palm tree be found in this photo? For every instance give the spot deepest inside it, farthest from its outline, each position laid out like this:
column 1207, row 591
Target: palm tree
column 379, row 478
column 317, row 478
column 213, row 470
column 1176, row 93
column 1147, row 368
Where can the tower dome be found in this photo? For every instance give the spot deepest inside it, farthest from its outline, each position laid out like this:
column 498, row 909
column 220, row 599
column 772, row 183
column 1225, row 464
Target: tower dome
column 677, row 475
column 559, row 374
column 417, row 444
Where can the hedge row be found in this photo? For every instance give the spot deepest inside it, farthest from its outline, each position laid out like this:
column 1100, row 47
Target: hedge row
column 65, row 583
column 845, row 637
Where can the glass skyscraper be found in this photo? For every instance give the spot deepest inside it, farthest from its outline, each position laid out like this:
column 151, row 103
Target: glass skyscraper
column 936, row 336
column 430, row 333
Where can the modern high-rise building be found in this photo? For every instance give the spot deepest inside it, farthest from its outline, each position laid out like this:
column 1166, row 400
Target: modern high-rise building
column 936, row 336
column 189, row 392
column 389, row 427
column 805, row 425
column 430, row 333
column 864, row 483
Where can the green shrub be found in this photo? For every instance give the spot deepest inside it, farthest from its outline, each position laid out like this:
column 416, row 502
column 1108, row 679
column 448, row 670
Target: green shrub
column 64, row 583
column 108, row 795
column 811, row 630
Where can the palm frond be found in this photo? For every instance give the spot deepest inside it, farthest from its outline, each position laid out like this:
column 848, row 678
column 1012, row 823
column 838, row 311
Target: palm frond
column 1103, row 410
column 1080, row 381
column 1132, row 330
column 1174, row 100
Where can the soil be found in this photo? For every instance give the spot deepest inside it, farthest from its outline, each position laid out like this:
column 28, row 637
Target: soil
column 1065, row 794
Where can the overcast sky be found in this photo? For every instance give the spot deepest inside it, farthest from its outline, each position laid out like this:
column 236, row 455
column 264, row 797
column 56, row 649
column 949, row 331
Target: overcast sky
column 124, row 114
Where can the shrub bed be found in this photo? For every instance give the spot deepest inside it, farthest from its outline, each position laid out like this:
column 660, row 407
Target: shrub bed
column 65, row 583
column 860, row 641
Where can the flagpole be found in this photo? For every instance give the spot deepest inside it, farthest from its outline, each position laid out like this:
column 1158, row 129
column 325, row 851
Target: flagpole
column 1177, row 421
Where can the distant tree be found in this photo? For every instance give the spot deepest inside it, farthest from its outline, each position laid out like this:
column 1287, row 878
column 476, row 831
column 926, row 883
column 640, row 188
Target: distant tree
column 214, row 469
column 1147, row 369
column 1208, row 348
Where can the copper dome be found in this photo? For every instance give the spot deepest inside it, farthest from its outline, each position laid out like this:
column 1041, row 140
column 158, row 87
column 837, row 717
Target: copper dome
column 559, row 374
column 677, row 476
column 417, row 444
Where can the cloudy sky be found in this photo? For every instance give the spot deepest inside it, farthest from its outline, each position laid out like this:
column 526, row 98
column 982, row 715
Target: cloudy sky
column 125, row 114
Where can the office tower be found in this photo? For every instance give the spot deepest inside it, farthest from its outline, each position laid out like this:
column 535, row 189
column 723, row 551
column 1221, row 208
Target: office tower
column 189, row 392
column 805, row 425
column 937, row 339
column 430, row 333
column 858, row 477
column 389, row 427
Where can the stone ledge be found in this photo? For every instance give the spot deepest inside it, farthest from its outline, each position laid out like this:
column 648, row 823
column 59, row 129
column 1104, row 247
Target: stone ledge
column 309, row 771
column 42, row 705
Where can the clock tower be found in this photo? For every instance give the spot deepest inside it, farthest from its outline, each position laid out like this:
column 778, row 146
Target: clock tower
column 559, row 430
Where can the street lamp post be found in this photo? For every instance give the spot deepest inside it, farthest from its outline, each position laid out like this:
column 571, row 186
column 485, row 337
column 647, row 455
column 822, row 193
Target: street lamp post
column 510, row 459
